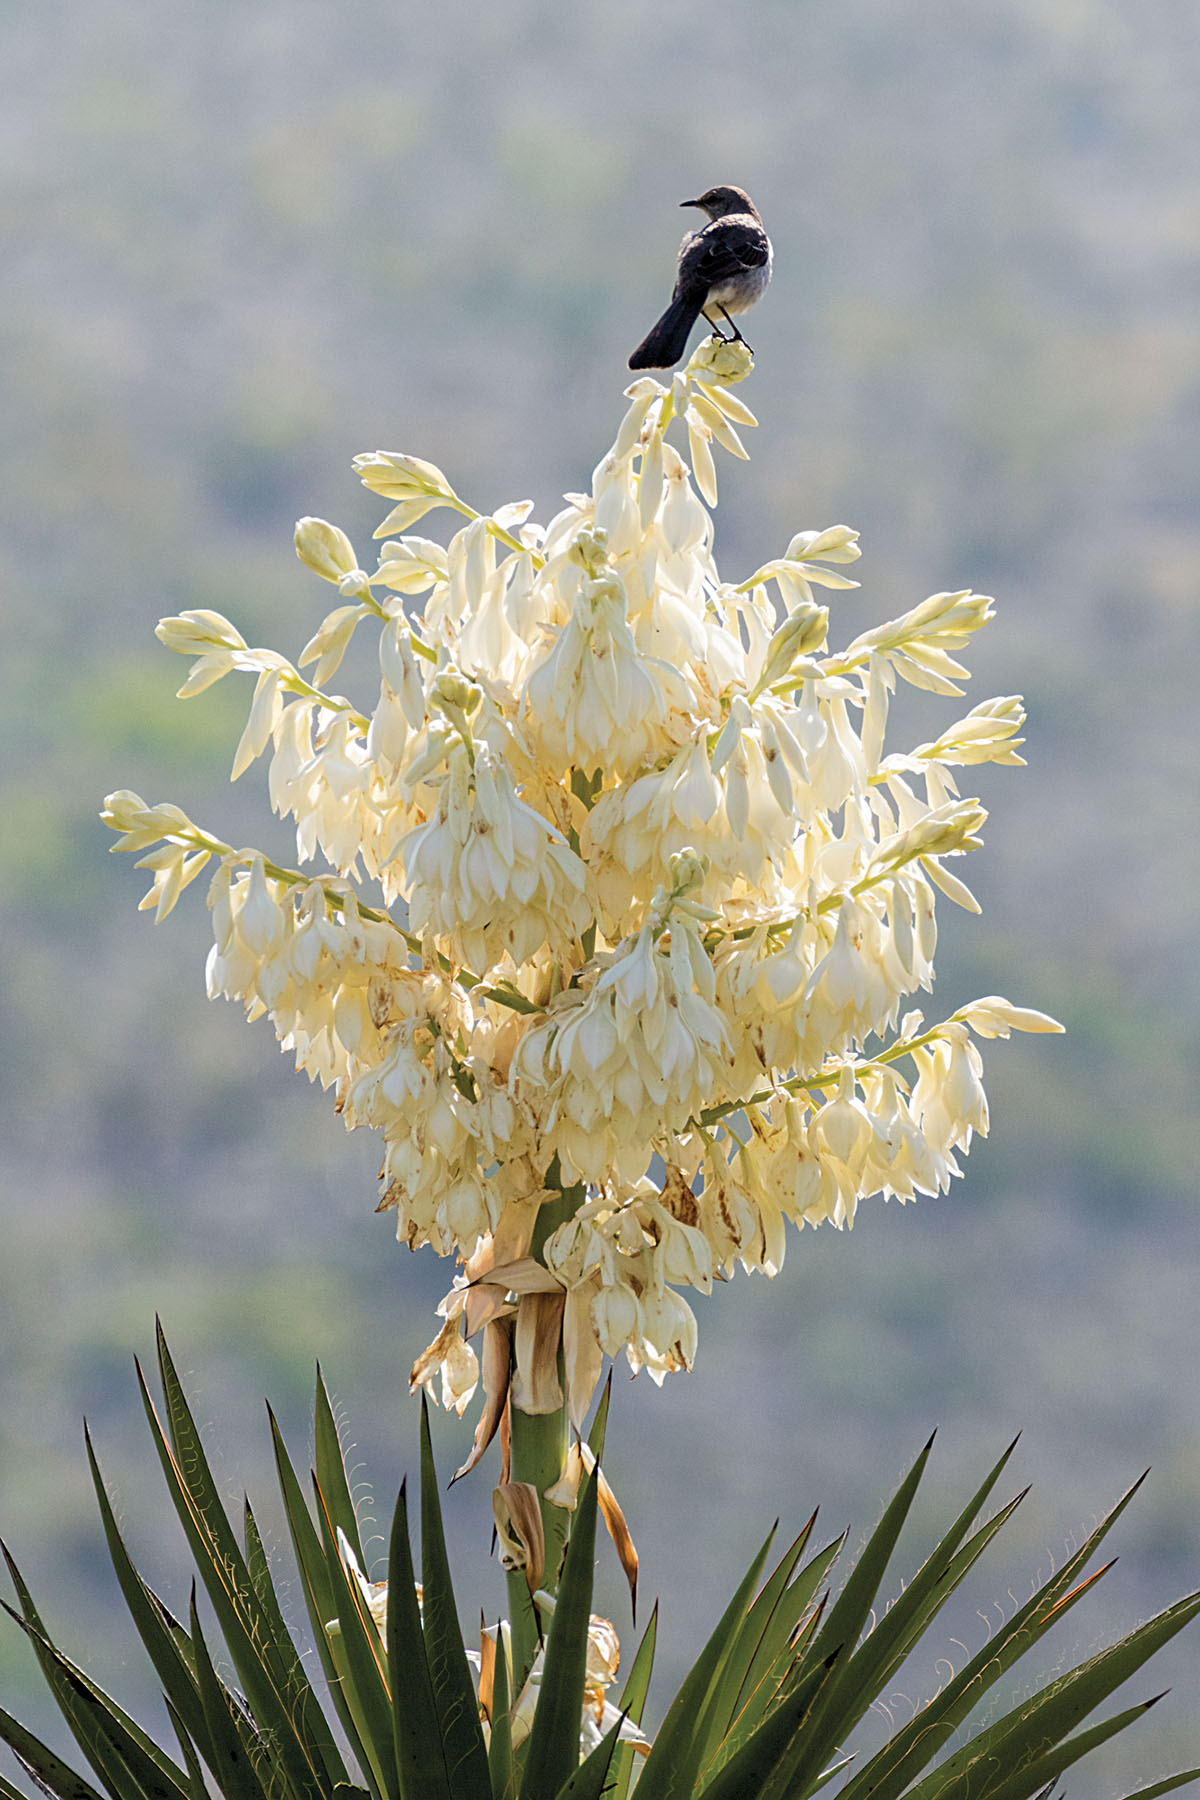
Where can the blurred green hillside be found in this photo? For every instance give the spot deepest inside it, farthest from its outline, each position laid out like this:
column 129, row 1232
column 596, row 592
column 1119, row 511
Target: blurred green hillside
column 243, row 244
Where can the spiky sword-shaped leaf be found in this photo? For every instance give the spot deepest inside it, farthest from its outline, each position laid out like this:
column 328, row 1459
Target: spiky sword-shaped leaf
column 449, row 1671
column 266, row 1660
column 419, row 1750
column 553, row 1752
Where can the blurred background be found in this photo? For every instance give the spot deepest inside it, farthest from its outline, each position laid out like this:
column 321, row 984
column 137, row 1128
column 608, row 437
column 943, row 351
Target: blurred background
column 243, row 244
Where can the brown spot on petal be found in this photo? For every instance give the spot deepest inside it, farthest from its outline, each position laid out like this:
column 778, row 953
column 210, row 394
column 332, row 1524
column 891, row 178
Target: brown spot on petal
column 678, row 1197
column 393, row 1194
column 379, row 1001
column 728, row 1220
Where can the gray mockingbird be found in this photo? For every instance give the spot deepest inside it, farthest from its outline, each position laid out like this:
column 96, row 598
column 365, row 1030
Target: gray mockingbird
column 723, row 268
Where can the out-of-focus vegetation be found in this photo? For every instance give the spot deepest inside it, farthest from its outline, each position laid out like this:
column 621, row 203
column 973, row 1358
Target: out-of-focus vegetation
column 242, row 245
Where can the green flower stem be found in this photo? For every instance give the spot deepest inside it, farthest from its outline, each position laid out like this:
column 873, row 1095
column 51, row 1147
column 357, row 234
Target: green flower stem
column 497, row 531
column 539, row 1455
column 797, row 1084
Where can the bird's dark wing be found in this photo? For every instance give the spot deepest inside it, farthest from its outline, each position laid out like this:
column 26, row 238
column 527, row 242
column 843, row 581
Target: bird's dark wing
column 724, row 250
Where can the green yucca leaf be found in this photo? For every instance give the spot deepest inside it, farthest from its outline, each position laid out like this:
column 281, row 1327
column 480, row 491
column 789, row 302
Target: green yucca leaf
column 449, row 1670
column 318, row 1589
column 175, row 1669
column 190, row 1754
column 779, row 1605
column 1031, row 1776
column 419, row 1752
column 315, row 1583
column 1164, row 1787
column 906, row 1619
column 787, row 1642
column 188, row 1474
column 778, row 1678
column 309, row 1721
column 115, row 1745
column 553, row 1751
column 882, row 1653
column 841, row 1703
column 500, row 1754
column 866, row 1673
column 9, row 1792
column 889, row 1773
column 748, row 1643
column 590, row 1780
column 269, row 1670
column 847, row 1618
column 674, row 1761
column 47, row 1769
column 637, row 1682
column 259, row 1572
column 331, row 1470
column 600, row 1422
column 633, row 1704
column 1034, row 1726
column 783, row 1679
column 762, row 1765
column 358, row 1656
column 230, row 1735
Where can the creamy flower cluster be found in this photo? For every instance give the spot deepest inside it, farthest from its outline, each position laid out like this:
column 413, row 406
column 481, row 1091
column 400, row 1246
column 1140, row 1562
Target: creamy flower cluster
column 650, row 897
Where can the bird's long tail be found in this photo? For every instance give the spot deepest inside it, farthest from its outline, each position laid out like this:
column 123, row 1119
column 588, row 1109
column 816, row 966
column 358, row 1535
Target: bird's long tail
column 666, row 342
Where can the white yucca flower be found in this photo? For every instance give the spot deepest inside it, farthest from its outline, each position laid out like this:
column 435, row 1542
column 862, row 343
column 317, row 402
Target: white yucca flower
column 650, row 891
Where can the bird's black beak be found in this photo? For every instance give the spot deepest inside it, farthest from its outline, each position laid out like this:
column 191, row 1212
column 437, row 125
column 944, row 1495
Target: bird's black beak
column 689, row 203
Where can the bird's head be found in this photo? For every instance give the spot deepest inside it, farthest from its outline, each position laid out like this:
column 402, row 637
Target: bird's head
column 717, row 202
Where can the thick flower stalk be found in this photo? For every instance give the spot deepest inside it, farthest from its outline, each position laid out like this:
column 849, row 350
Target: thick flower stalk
column 611, row 905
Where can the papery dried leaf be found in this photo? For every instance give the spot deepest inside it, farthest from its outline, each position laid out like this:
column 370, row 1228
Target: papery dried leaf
column 603, row 1653
column 525, row 1276
column 484, row 1303
column 536, row 1387
column 618, row 1531
column 583, row 1359
column 432, row 1356
column 518, row 1514
column 565, row 1492
column 487, row 1668
column 497, row 1367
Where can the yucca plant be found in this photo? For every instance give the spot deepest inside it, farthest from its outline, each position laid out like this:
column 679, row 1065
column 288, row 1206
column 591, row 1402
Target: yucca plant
column 619, row 910
column 765, row 1713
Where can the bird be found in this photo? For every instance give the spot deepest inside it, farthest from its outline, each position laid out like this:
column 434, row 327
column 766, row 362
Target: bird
column 724, row 267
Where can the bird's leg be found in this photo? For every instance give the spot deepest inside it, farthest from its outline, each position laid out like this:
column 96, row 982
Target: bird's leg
column 716, row 329
column 736, row 333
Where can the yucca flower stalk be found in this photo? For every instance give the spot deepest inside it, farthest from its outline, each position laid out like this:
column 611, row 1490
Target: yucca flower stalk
column 623, row 909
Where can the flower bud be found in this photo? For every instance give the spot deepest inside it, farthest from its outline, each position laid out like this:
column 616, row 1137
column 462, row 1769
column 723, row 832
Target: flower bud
column 190, row 632
column 399, row 477
column 688, row 870
column 324, row 549
column 450, row 689
column 590, row 549
column 721, row 361
column 802, row 632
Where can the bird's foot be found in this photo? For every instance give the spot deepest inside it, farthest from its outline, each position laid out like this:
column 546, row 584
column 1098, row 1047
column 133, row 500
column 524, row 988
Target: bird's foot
column 737, row 336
